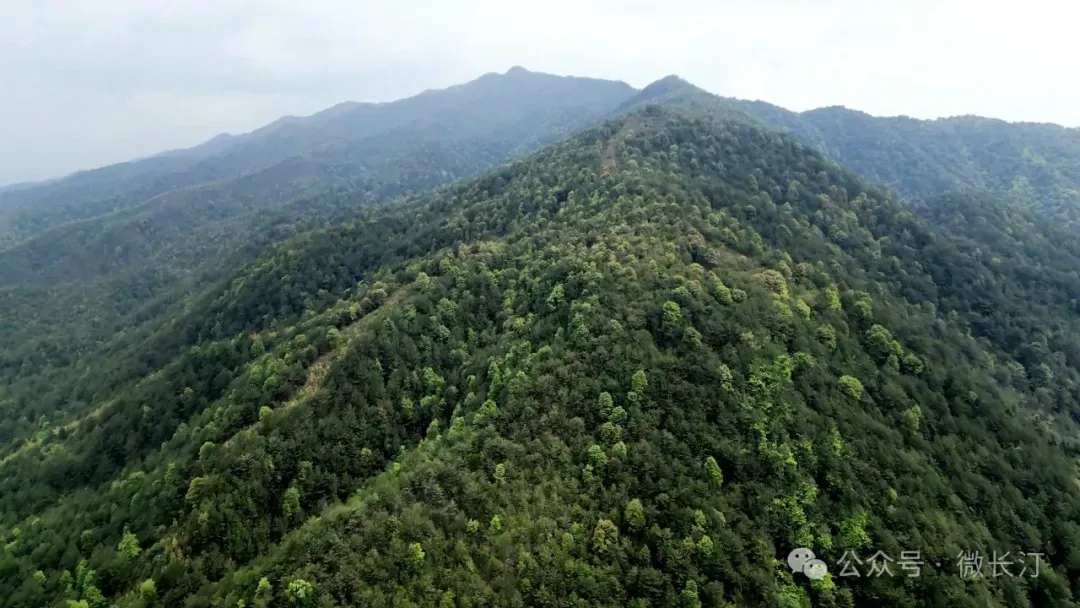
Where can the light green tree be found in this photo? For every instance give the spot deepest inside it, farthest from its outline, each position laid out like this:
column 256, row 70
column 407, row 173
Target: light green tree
column 716, row 476
column 128, row 549
column 689, row 596
column 634, row 514
column 619, row 450
column 148, row 591
column 416, row 556
column 290, row 502
column 913, row 419
column 606, row 536
column 827, row 336
column 264, row 592
column 556, row 297
column 605, row 404
column 851, row 387
column 832, row 298
column 597, row 456
column 672, row 314
column 300, row 592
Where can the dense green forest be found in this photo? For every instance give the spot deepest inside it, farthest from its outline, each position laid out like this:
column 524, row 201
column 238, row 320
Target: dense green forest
column 88, row 256
column 306, row 367
column 83, row 257
column 1037, row 165
column 635, row 368
column 1005, row 261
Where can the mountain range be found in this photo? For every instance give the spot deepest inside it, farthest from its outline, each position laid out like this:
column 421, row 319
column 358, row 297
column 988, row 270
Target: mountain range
column 537, row 340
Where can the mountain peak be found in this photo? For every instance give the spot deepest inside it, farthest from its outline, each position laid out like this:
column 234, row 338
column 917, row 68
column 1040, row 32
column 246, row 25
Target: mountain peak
column 514, row 72
column 664, row 87
column 667, row 84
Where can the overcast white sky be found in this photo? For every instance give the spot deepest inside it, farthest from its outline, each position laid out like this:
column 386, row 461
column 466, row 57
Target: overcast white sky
column 83, row 84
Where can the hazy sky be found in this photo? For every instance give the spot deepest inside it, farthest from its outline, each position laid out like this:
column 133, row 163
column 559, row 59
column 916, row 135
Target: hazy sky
column 84, row 84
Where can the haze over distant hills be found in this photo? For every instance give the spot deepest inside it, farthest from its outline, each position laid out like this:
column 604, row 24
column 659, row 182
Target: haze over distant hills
column 954, row 153
column 536, row 340
column 518, row 105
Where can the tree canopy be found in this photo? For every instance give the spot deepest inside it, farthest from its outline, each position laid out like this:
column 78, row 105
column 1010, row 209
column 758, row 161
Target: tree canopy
column 638, row 368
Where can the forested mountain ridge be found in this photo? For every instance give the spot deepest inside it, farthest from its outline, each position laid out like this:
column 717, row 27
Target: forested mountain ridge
column 518, row 110
column 438, row 401
column 79, row 267
column 1036, row 164
column 1005, row 265
column 635, row 368
column 484, row 121
column 125, row 258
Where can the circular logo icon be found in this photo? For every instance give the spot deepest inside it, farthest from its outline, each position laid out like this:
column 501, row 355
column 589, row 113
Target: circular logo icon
column 798, row 558
column 803, row 560
column 815, row 569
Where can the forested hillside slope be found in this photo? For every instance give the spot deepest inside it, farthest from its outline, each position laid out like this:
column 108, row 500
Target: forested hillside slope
column 68, row 230
column 1004, row 263
column 85, row 257
column 477, row 124
column 636, row 368
column 1038, row 164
